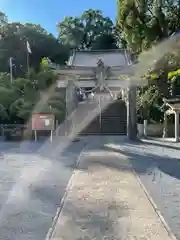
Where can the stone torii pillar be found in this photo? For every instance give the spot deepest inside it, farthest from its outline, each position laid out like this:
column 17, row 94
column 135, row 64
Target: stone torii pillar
column 176, row 113
column 131, row 113
column 165, row 125
column 71, row 103
column 176, row 126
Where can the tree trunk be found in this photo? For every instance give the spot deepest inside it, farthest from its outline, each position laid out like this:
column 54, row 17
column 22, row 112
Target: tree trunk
column 131, row 114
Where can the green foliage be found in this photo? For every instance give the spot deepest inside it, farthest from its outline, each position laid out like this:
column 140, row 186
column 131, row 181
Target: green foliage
column 13, row 44
column 105, row 41
column 148, row 99
column 36, row 90
column 140, row 24
column 44, row 63
column 143, row 23
column 91, row 30
column 23, row 96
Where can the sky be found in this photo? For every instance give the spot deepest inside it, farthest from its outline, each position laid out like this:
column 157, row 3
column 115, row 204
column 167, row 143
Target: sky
column 49, row 13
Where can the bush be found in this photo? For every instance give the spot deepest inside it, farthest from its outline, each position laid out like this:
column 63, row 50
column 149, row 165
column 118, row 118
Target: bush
column 149, row 100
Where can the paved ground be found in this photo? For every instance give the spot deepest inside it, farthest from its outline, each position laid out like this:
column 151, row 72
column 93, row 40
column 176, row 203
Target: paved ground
column 158, row 165
column 105, row 200
column 32, row 183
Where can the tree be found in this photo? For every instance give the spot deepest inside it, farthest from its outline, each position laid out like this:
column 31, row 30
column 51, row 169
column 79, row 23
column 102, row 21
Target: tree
column 87, row 31
column 143, row 23
column 105, row 41
column 160, row 71
column 147, row 99
column 18, row 99
column 13, row 44
column 3, row 18
column 38, row 93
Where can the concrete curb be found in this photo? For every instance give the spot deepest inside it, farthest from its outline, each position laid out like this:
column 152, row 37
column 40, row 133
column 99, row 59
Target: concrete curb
column 166, row 226
column 62, row 202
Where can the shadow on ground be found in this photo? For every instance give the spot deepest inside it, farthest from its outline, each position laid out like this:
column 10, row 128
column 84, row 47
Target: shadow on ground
column 162, row 143
column 144, row 163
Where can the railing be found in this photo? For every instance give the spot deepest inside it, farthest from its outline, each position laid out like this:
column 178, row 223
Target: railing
column 13, row 131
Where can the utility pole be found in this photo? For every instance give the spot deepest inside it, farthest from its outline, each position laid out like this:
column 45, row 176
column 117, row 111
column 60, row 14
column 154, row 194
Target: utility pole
column 11, row 68
column 28, row 52
column 27, row 64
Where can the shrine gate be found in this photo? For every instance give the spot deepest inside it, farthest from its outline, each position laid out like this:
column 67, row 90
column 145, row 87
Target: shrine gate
column 103, row 72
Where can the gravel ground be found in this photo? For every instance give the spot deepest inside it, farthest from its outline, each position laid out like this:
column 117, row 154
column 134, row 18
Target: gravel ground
column 32, row 183
column 158, row 165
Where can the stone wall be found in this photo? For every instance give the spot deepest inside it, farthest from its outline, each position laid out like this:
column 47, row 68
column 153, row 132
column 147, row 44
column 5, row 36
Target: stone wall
column 156, row 130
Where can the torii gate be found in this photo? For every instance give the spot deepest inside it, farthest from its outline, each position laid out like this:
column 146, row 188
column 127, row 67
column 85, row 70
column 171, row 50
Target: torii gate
column 105, row 70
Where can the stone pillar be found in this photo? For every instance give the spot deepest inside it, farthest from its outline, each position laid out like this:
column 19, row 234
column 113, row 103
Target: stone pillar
column 177, row 126
column 131, row 113
column 71, row 104
column 145, row 128
column 165, row 125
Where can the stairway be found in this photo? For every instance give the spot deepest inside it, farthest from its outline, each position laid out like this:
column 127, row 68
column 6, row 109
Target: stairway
column 110, row 121
column 96, row 117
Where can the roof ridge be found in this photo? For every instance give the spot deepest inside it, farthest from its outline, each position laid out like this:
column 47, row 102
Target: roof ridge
column 101, row 50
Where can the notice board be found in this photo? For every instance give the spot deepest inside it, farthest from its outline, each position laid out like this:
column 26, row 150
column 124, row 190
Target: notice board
column 43, row 121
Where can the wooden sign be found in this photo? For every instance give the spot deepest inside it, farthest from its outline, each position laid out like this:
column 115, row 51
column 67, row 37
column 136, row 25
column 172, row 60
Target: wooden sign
column 43, row 121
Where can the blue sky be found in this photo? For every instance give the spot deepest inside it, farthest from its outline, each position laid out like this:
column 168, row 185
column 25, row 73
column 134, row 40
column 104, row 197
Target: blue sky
column 48, row 13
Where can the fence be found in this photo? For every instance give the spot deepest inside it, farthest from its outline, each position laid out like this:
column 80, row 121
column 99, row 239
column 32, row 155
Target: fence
column 14, row 131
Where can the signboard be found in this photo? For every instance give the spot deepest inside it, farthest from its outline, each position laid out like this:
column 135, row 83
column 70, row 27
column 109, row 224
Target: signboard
column 43, row 121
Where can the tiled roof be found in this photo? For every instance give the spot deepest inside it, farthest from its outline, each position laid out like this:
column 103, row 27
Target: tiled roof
column 90, row 58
